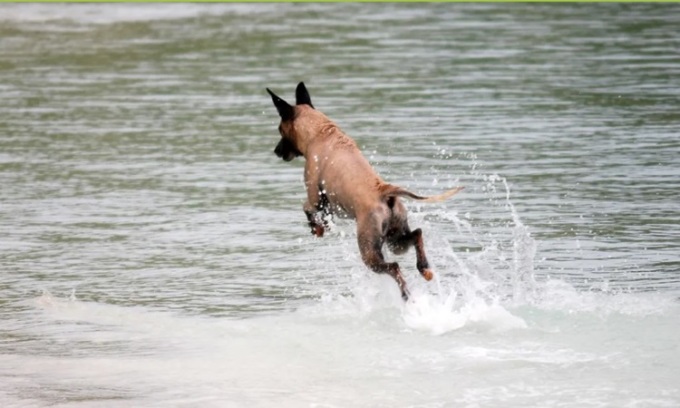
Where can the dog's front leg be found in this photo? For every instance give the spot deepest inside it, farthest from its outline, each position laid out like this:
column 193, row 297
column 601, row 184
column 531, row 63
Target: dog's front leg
column 316, row 205
column 311, row 206
column 314, row 219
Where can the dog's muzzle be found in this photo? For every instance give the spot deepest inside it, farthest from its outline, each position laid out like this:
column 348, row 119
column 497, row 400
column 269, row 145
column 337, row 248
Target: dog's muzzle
column 286, row 150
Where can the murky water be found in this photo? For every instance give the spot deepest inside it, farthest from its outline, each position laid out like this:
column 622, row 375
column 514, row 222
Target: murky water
column 153, row 250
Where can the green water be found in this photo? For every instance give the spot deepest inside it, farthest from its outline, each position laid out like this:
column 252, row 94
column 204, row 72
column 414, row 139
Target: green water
column 137, row 166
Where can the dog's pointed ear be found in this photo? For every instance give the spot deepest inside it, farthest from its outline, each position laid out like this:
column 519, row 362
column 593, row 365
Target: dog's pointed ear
column 302, row 95
column 285, row 110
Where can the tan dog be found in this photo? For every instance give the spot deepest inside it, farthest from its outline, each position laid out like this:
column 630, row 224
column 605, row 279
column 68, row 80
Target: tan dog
column 340, row 181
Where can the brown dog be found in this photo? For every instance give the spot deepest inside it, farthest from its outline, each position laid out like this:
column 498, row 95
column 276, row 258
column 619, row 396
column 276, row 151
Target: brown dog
column 340, row 181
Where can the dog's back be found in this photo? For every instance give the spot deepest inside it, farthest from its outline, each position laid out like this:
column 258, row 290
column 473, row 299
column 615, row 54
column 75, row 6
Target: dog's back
column 336, row 165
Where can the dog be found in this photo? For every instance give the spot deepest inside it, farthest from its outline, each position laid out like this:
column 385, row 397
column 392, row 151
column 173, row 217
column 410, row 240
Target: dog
column 340, row 181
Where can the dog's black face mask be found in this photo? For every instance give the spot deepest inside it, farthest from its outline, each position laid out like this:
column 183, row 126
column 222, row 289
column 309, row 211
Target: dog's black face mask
column 286, row 150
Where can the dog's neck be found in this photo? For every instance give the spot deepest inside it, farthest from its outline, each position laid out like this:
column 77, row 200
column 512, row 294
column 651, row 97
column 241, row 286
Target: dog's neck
column 312, row 126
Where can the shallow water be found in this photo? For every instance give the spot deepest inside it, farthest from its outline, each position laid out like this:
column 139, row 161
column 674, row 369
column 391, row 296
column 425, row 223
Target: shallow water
column 154, row 252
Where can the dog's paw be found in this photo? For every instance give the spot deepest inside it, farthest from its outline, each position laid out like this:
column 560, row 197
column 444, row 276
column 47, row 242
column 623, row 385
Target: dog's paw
column 427, row 274
column 405, row 296
column 317, row 230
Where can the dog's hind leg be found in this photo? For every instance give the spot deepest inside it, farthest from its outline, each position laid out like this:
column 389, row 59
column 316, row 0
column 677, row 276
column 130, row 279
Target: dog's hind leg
column 421, row 260
column 400, row 237
column 370, row 245
column 401, row 243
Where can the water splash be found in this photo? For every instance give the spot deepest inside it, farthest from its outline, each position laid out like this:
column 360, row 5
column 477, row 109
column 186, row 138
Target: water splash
column 478, row 288
column 471, row 288
column 523, row 252
column 485, row 260
column 431, row 314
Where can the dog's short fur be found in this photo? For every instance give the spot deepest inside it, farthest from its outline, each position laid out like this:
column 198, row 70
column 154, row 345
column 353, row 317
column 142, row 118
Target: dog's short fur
column 339, row 180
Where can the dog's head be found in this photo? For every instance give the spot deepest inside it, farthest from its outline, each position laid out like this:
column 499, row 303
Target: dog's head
column 287, row 148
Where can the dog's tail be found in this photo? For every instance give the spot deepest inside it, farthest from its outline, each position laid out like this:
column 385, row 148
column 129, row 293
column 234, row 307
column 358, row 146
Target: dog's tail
column 389, row 190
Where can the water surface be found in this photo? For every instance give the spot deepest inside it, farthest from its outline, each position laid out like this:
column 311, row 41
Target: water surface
column 154, row 251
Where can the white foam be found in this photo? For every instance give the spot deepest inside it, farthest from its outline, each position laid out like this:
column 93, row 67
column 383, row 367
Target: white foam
column 339, row 351
column 438, row 315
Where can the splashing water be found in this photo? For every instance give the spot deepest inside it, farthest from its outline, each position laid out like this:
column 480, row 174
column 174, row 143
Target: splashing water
column 433, row 315
column 473, row 289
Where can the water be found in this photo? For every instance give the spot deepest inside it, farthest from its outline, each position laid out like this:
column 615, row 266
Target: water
column 154, row 252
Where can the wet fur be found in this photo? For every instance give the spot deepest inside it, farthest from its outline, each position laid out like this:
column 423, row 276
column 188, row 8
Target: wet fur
column 340, row 181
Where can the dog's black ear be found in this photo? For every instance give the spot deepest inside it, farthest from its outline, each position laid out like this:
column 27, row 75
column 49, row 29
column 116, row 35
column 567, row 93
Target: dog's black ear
column 285, row 110
column 302, row 95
